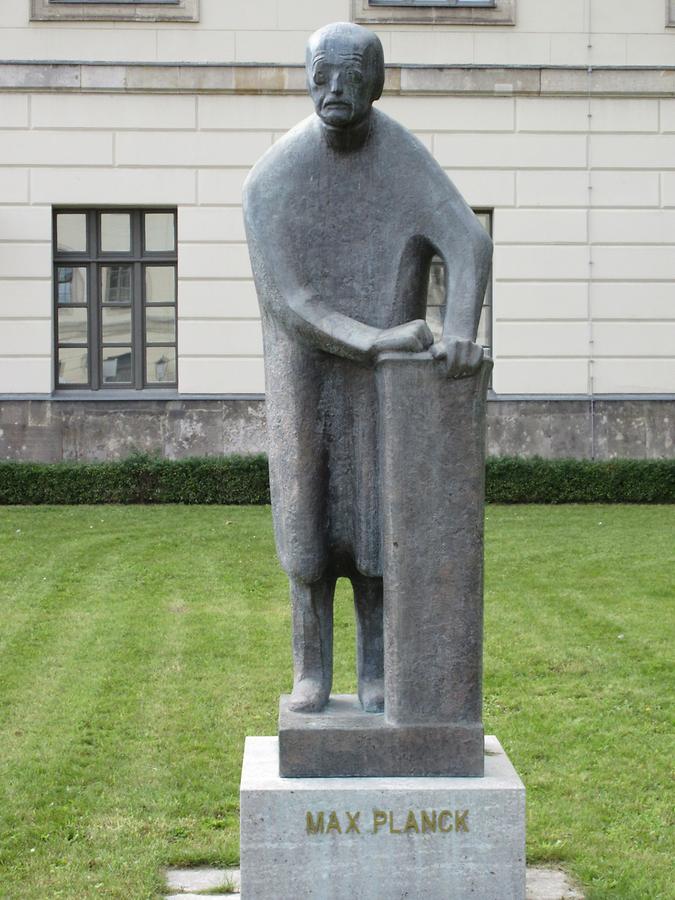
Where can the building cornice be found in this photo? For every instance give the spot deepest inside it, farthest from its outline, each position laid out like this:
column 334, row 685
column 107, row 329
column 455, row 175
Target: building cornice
column 470, row 80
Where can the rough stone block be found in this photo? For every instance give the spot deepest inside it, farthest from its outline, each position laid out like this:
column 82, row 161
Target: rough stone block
column 338, row 838
column 433, row 609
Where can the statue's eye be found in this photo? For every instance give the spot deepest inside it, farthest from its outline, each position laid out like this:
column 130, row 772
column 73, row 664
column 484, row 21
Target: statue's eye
column 319, row 76
column 354, row 76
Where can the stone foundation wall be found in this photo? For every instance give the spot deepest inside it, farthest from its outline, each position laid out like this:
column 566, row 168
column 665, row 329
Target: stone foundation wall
column 52, row 430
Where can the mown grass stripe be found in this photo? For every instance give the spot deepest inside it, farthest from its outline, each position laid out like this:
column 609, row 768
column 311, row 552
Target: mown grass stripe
column 191, row 656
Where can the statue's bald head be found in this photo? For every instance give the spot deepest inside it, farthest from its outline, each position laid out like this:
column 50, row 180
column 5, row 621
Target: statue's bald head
column 345, row 72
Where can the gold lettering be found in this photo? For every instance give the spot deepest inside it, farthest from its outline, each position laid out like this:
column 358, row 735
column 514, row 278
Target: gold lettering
column 428, row 821
column 312, row 826
column 353, row 823
column 333, row 823
column 445, row 816
column 411, row 823
column 393, row 830
column 460, row 820
column 379, row 819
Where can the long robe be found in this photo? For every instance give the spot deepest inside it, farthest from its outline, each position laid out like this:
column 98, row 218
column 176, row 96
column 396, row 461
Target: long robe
column 341, row 243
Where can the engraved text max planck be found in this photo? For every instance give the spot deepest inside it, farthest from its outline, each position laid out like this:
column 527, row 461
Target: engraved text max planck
column 382, row 821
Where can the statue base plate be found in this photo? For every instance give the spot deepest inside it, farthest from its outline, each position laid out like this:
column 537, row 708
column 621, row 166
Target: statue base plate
column 341, row 838
column 344, row 741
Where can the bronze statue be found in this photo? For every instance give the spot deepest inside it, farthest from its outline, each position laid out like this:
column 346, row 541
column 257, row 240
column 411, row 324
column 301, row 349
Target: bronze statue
column 343, row 217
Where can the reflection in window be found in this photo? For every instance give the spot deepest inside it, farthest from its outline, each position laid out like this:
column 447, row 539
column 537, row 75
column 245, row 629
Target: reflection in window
column 160, row 235
column 160, row 284
column 72, row 325
column 71, row 285
column 116, row 284
column 116, row 365
column 115, row 325
column 160, row 324
column 161, row 365
column 71, row 233
column 73, row 368
column 115, row 233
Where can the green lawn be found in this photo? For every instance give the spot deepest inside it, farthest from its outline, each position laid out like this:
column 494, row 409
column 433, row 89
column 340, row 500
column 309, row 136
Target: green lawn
column 139, row 645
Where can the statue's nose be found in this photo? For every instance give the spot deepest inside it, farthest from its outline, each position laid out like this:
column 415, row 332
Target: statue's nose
column 336, row 83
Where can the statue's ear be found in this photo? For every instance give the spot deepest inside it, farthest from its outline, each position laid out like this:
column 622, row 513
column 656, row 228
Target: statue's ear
column 377, row 66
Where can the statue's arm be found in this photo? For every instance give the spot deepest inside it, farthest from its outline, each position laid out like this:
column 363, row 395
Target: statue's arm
column 280, row 288
column 466, row 251
column 325, row 328
column 303, row 312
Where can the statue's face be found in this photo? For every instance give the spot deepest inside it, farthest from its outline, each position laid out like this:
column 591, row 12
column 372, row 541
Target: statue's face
column 341, row 83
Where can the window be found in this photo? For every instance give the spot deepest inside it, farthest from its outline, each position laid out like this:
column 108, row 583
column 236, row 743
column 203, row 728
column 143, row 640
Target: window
column 110, row 10
column 115, row 298
column 432, row 2
column 436, row 297
column 670, row 12
column 461, row 12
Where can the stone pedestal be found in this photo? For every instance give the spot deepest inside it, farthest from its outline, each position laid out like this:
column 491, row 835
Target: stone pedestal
column 439, row 838
column 343, row 740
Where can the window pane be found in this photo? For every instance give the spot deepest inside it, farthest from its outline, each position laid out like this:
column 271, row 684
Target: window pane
column 116, row 284
column 432, row 2
column 116, row 365
column 71, row 284
column 71, row 233
column 73, row 365
column 115, row 325
column 160, row 324
column 73, row 325
column 436, row 298
column 160, row 284
column 160, row 365
column 159, row 232
column 436, row 294
column 115, row 232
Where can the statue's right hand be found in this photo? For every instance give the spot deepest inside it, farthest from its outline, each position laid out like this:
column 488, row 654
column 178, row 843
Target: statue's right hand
column 411, row 337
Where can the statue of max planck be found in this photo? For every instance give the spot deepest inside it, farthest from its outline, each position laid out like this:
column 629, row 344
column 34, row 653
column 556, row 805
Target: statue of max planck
column 343, row 217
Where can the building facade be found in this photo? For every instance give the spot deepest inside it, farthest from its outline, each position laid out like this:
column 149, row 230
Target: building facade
column 128, row 317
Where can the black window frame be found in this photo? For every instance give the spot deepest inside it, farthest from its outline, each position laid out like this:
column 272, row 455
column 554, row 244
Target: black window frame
column 449, row 4
column 114, row 11
column 435, row 12
column 114, row 2
column 94, row 260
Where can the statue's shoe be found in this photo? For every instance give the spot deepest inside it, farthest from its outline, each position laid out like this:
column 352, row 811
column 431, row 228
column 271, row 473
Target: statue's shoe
column 371, row 695
column 308, row 695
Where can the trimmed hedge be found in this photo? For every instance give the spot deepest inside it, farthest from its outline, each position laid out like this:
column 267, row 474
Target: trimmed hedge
column 138, row 479
column 244, row 479
column 536, row 480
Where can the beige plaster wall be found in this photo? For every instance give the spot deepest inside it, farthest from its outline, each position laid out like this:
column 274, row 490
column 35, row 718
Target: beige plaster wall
column 583, row 194
column 547, row 32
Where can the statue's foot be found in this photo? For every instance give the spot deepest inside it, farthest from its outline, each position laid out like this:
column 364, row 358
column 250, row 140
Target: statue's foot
column 371, row 695
column 308, row 695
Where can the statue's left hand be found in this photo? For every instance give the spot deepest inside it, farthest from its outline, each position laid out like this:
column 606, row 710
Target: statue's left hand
column 460, row 356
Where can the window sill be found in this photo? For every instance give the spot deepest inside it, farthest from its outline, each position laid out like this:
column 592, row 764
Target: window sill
column 121, row 394
column 183, row 11
column 503, row 13
column 147, row 394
